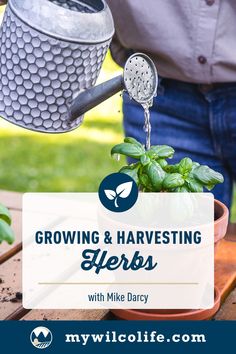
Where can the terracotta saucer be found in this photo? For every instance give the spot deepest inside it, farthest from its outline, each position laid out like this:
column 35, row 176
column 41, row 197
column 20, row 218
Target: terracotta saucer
column 170, row 315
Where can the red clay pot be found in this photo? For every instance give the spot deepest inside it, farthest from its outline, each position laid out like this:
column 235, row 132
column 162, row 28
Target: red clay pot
column 171, row 315
column 220, row 228
column 221, row 220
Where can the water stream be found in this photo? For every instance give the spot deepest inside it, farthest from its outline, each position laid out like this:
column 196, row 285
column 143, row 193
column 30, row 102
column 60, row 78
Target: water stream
column 147, row 123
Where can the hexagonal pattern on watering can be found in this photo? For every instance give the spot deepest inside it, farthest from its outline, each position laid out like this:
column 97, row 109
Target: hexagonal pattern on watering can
column 40, row 75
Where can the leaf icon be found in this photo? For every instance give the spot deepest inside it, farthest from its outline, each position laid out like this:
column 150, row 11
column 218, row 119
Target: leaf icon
column 124, row 189
column 110, row 194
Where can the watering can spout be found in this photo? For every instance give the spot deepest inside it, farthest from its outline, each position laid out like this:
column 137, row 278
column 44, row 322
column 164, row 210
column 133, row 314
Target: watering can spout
column 92, row 97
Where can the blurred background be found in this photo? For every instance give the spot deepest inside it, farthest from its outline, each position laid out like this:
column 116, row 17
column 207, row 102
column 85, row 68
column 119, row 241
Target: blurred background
column 71, row 162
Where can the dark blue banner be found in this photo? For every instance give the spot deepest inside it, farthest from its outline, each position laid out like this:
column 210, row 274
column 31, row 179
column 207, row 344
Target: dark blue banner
column 116, row 337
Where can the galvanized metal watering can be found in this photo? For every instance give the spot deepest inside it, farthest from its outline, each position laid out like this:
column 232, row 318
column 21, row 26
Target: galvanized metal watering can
column 51, row 53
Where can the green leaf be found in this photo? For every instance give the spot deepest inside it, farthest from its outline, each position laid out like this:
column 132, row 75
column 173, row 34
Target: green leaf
column 145, row 160
column 172, row 168
column 162, row 162
column 207, row 176
column 156, row 175
column 145, row 182
column 162, row 151
column 183, row 189
column 195, row 165
column 132, row 171
column 185, row 166
column 173, row 180
column 130, row 140
column 127, row 149
column 209, row 187
column 5, row 214
column 194, row 185
column 152, row 154
column 6, row 232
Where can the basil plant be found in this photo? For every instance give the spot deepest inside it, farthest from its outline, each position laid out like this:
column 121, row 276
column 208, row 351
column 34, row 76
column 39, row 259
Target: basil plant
column 6, row 232
column 153, row 173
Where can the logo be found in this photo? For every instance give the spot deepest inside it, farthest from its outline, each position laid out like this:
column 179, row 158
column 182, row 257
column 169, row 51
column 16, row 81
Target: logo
column 41, row 337
column 118, row 192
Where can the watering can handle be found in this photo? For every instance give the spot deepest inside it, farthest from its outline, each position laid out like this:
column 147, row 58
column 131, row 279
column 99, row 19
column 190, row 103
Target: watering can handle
column 92, row 97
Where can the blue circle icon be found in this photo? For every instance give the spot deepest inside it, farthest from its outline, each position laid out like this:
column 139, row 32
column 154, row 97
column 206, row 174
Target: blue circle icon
column 118, row 192
column 41, row 337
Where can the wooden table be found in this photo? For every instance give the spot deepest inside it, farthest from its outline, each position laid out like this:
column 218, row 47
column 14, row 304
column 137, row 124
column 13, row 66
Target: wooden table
column 11, row 275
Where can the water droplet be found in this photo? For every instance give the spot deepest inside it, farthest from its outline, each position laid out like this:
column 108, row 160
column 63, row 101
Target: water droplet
column 116, row 157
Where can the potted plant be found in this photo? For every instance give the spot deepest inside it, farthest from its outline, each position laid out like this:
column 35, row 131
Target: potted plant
column 153, row 173
column 6, row 232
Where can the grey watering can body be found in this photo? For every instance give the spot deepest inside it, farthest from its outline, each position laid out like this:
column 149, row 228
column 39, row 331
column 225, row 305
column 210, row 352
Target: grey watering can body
column 50, row 51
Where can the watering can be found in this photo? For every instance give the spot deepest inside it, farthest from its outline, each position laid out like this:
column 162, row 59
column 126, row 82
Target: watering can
column 51, row 53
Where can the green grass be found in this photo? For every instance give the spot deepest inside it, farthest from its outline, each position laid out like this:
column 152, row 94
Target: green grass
column 35, row 164
column 72, row 162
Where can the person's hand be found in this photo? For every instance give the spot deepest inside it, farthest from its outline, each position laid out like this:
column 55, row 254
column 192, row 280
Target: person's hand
column 3, row 2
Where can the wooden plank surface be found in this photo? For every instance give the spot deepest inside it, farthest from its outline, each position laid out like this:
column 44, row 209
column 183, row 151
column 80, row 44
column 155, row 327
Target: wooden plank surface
column 228, row 310
column 94, row 315
column 10, row 287
column 225, row 267
column 10, row 258
column 14, row 202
